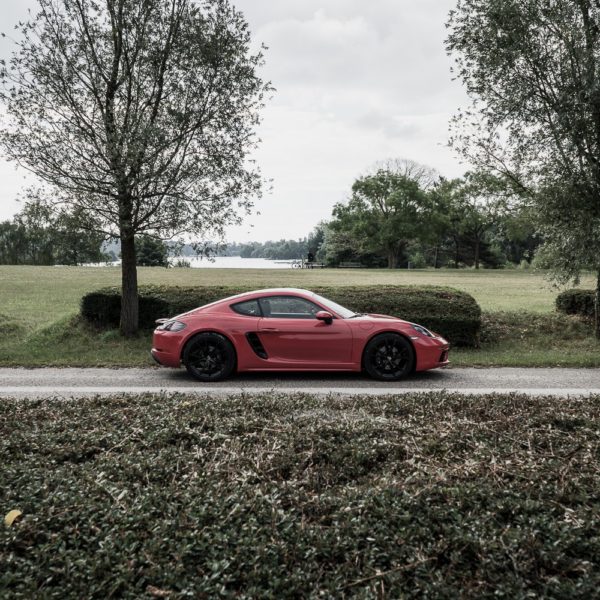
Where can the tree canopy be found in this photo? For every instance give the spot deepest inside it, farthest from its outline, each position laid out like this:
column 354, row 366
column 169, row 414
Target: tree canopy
column 38, row 236
column 532, row 68
column 137, row 114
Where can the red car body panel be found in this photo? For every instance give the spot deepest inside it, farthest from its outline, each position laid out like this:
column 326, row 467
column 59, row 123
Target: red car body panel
column 294, row 344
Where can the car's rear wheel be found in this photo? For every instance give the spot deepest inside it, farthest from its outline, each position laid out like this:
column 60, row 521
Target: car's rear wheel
column 209, row 356
column 389, row 357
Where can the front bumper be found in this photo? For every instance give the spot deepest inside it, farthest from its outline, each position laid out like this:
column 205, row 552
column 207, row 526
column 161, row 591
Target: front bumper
column 432, row 353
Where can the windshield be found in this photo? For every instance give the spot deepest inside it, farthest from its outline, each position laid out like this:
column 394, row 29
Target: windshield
column 336, row 308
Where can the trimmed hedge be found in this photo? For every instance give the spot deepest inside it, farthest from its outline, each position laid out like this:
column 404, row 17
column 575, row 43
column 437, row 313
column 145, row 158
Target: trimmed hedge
column 576, row 302
column 452, row 313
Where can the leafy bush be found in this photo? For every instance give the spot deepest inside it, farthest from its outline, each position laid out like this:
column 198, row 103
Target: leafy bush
column 278, row 496
column 454, row 314
column 576, row 302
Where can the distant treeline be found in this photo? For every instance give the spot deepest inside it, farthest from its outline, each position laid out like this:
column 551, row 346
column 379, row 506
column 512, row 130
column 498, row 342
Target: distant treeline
column 37, row 237
column 401, row 215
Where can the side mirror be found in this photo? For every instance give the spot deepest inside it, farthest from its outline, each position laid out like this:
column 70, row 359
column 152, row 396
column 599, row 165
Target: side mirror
column 323, row 315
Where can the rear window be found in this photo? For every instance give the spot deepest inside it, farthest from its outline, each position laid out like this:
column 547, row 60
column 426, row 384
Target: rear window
column 249, row 308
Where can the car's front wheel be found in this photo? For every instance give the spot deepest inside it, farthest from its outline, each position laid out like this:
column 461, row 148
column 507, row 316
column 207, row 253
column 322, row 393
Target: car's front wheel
column 209, row 356
column 389, row 357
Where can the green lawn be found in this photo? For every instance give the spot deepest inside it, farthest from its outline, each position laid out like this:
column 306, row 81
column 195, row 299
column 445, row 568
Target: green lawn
column 293, row 496
column 37, row 306
column 531, row 340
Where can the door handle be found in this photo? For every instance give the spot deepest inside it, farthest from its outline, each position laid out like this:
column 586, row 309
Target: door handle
column 269, row 329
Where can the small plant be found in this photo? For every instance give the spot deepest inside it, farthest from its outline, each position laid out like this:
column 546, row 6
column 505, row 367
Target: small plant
column 182, row 263
column 576, row 302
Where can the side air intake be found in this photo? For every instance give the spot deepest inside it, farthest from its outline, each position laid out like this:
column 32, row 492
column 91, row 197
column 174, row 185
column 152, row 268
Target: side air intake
column 256, row 345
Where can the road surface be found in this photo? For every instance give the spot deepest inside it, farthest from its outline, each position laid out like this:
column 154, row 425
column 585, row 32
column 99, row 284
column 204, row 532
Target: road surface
column 69, row 382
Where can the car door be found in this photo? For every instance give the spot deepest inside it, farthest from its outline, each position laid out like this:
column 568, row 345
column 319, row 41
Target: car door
column 293, row 336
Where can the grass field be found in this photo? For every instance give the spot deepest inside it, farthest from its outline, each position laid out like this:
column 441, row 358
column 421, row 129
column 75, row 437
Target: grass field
column 279, row 496
column 37, row 306
column 43, row 292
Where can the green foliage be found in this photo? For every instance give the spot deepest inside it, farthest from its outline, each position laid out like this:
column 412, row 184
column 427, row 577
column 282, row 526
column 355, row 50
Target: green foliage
column 382, row 216
column 278, row 496
column 37, row 236
column 138, row 116
column 453, row 314
column 470, row 221
column 577, row 302
column 151, row 252
column 531, row 68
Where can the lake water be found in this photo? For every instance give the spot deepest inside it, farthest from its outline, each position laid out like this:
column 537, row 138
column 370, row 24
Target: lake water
column 220, row 262
column 236, row 262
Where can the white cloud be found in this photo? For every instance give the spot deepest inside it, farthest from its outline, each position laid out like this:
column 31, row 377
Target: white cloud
column 356, row 82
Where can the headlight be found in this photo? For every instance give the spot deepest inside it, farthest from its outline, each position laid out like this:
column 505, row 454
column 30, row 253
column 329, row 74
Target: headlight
column 172, row 326
column 423, row 331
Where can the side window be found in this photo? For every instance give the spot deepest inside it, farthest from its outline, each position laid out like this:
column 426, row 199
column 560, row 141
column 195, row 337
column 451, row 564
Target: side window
column 249, row 308
column 288, row 307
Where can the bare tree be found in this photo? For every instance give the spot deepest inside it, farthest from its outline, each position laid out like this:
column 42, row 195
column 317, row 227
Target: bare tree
column 411, row 170
column 139, row 115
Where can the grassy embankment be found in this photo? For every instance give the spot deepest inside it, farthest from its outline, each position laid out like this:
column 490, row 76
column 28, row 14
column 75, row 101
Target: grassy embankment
column 38, row 305
column 280, row 496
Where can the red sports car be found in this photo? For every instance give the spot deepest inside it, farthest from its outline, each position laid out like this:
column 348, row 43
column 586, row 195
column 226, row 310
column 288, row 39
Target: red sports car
column 293, row 330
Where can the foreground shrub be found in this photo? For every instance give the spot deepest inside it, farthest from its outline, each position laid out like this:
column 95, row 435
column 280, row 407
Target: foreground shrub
column 276, row 496
column 576, row 302
column 452, row 313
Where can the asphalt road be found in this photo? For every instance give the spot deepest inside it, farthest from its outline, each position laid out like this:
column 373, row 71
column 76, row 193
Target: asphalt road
column 70, row 382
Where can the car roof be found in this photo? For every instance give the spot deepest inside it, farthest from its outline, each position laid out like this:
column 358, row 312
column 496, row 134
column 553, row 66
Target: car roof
column 256, row 294
column 270, row 292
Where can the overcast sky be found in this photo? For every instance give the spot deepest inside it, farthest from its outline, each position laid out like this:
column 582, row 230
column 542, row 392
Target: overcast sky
column 356, row 82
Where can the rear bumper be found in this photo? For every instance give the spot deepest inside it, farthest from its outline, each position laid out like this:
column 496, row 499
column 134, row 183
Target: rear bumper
column 165, row 359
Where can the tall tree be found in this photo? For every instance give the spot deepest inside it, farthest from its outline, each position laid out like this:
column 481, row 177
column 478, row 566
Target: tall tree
column 532, row 68
column 385, row 212
column 442, row 197
column 151, row 252
column 484, row 200
column 139, row 115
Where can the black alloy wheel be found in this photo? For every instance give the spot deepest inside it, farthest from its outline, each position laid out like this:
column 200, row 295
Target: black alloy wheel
column 389, row 357
column 209, row 357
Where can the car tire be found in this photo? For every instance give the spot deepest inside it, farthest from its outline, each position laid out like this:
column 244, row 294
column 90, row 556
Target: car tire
column 209, row 356
column 389, row 357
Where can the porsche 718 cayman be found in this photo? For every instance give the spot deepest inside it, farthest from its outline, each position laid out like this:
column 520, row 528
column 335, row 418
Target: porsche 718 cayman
column 293, row 330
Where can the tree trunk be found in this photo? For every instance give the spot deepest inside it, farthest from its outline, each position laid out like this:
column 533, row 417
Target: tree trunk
column 392, row 259
column 435, row 257
column 129, row 288
column 477, row 244
column 457, row 254
column 597, row 307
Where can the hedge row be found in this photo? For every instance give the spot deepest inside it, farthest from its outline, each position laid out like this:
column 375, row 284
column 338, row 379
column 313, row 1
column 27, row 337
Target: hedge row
column 576, row 302
column 454, row 314
column 292, row 496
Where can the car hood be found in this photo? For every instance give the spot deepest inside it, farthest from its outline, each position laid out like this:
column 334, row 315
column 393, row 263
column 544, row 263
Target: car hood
column 376, row 317
column 386, row 318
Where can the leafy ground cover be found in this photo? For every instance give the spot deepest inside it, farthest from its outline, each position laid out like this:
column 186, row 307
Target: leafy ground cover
column 38, row 306
column 272, row 496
